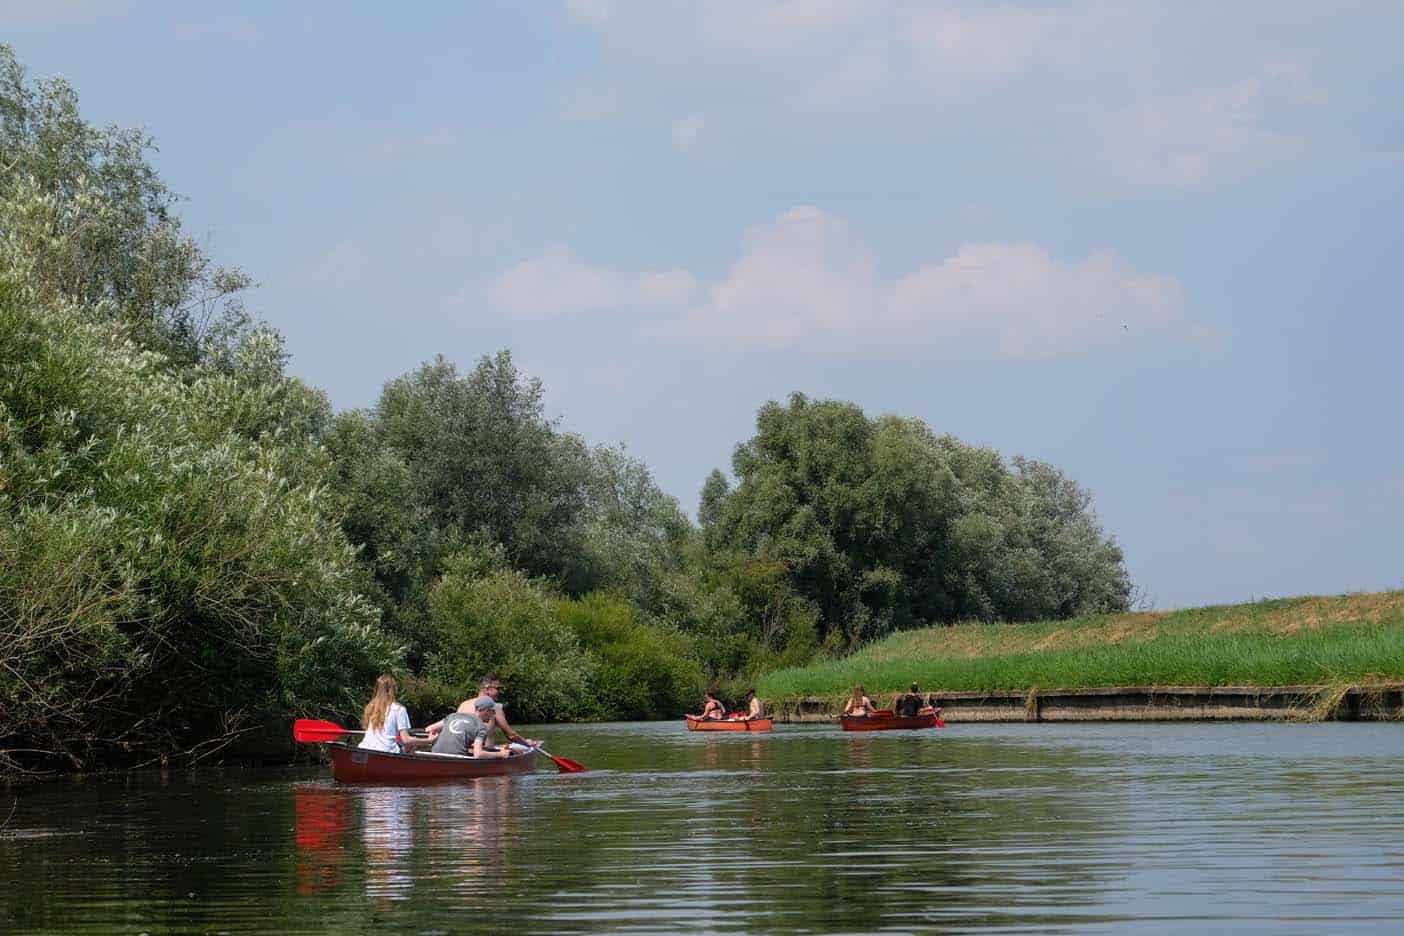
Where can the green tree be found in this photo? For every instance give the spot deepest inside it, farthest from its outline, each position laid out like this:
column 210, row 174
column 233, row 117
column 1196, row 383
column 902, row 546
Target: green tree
column 485, row 460
column 493, row 619
column 643, row 670
column 167, row 578
column 100, row 228
column 883, row 525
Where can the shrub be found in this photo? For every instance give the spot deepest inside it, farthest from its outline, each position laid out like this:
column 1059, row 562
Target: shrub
column 167, row 578
column 499, row 621
column 644, row 670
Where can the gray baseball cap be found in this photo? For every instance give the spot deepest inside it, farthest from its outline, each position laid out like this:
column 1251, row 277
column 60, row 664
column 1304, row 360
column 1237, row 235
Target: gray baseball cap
column 484, row 702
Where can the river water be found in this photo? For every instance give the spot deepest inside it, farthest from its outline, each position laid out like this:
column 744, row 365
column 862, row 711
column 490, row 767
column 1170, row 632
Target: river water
column 978, row 828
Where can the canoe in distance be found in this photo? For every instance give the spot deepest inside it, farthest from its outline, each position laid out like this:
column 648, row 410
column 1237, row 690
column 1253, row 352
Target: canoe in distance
column 729, row 724
column 357, row 765
column 886, row 720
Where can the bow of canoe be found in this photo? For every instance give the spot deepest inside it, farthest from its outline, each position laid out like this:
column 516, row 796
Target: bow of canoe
column 729, row 724
column 358, row 765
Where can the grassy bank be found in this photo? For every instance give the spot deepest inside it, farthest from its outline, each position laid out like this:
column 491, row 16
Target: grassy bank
column 1290, row 641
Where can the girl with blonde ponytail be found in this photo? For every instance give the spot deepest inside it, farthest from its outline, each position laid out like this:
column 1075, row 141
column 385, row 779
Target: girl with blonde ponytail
column 386, row 722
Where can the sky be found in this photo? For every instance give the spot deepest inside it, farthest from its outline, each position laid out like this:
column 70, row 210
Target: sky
column 1155, row 244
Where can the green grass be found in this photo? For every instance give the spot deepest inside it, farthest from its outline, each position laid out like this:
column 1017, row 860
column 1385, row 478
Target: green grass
column 1294, row 641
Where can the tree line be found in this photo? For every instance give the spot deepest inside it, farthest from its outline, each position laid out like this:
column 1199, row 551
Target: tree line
column 194, row 544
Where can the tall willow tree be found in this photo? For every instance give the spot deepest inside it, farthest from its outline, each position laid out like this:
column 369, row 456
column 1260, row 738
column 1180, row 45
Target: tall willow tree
column 884, row 525
column 172, row 569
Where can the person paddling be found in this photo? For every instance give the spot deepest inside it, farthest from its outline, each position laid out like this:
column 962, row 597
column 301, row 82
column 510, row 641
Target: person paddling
column 753, row 704
column 712, row 709
column 465, row 732
column 491, row 687
column 387, row 723
column 858, row 703
column 909, row 704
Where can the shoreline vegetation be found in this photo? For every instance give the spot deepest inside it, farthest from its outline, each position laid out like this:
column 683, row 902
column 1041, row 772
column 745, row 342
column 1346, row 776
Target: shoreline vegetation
column 196, row 547
column 1324, row 648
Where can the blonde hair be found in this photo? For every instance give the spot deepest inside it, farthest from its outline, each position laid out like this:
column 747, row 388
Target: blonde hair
column 858, row 694
column 373, row 718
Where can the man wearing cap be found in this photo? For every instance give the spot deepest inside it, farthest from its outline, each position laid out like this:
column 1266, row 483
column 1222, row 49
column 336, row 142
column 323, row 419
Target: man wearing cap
column 490, row 688
column 465, row 732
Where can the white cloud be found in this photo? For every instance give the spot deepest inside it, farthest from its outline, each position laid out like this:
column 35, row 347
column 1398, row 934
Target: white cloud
column 556, row 283
column 1017, row 301
column 355, row 146
column 998, row 40
column 686, row 131
column 809, row 14
column 806, row 281
column 1105, row 95
column 587, row 11
column 1183, row 140
column 801, row 276
column 58, row 12
column 232, row 28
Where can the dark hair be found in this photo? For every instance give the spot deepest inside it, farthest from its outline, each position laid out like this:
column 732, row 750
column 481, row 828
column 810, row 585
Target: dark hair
column 914, row 688
column 751, row 691
column 487, row 681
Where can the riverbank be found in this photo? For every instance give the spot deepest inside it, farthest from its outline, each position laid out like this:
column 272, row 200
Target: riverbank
column 1310, row 657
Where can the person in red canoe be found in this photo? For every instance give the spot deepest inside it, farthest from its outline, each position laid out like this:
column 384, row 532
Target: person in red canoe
column 712, row 709
column 753, row 704
column 858, row 703
column 387, row 723
column 752, row 709
column 910, row 704
column 465, row 732
column 491, row 687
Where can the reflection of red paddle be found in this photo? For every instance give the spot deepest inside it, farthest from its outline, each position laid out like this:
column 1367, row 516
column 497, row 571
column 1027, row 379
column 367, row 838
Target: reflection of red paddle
column 316, row 731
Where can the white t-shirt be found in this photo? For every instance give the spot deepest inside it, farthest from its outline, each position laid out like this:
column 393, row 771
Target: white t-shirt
column 385, row 738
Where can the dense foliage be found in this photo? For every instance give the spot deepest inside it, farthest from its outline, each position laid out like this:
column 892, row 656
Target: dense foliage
column 884, row 525
column 192, row 544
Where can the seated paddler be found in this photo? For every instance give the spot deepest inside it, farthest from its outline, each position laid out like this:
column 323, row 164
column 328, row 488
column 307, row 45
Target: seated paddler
column 465, row 732
column 910, row 704
column 386, row 723
column 713, row 708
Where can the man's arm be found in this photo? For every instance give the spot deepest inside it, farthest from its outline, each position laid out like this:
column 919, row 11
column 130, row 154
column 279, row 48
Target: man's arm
column 511, row 733
column 480, row 751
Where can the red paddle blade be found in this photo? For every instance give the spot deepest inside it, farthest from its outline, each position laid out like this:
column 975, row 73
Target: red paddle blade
column 569, row 766
column 564, row 764
column 314, row 731
column 940, row 722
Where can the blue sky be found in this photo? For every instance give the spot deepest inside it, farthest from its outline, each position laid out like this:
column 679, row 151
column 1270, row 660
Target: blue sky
column 1157, row 245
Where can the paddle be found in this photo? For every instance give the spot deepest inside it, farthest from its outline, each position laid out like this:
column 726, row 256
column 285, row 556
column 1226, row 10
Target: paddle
column 316, row 731
column 565, row 764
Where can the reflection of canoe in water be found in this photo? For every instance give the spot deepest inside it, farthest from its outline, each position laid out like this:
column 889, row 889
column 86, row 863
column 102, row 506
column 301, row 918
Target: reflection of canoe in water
column 729, row 724
column 886, row 720
column 355, row 765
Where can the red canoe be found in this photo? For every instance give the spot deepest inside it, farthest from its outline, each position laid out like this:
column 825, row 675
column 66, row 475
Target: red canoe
column 357, row 765
column 729, row 724
column 886, row 720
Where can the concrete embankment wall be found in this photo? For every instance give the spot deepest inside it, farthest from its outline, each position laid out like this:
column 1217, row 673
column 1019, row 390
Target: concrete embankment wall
column 1141, row 703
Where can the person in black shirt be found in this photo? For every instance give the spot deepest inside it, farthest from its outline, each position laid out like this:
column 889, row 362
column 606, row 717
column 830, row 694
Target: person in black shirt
column 909, row 704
